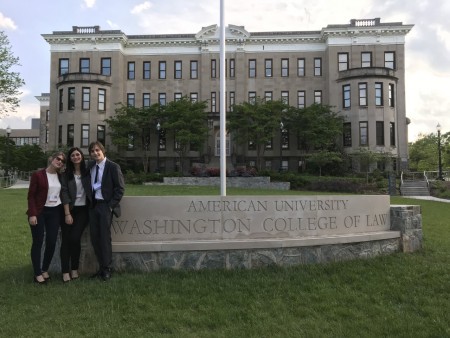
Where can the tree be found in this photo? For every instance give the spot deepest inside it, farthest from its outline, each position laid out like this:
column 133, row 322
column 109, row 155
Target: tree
column 322, row 158
column 255, row 123
column 423, row 153
column 186, row 120
column 317, row 126
column 318, row 129
column 131, row 128
column 10, row 81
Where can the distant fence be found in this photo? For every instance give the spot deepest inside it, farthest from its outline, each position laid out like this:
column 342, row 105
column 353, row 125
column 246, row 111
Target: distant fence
column 13, row 177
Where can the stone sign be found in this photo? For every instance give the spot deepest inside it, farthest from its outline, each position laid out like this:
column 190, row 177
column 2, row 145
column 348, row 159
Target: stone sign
column 197, row 218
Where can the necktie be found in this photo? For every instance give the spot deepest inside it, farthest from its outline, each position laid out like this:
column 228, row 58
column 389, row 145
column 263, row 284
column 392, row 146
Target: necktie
column 96, row 173
column 95, row 181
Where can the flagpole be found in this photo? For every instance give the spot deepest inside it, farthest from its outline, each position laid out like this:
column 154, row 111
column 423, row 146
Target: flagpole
column 222, row 105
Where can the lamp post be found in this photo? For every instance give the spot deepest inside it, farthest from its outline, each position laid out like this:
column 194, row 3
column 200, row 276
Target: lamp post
column 281, row 146
column 440, row 178
column 158, row 129
column 8, row 133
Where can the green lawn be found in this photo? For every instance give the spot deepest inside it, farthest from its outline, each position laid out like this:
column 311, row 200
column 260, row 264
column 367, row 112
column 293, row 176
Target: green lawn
column 402, row 295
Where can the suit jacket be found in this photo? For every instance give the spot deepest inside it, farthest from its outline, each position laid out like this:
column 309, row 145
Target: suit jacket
column 113, row 185
column 37, row 193
column 69, row 189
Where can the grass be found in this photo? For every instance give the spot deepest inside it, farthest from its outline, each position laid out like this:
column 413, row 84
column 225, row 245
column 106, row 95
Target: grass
column 402, row 295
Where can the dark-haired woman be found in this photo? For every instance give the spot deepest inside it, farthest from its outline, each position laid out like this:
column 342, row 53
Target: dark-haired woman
column 76, row 215
column 45, row 214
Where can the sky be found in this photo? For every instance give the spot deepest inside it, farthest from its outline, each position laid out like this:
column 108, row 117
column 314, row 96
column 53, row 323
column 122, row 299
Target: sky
column 427, row 44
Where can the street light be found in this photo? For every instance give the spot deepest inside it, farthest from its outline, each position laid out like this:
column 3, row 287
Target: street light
column 8, row 132
column 158, row 129
column 281, row 146
column 438, row 127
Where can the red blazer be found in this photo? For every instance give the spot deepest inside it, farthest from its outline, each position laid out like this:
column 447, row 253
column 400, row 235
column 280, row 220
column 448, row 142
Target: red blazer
column 37, row 193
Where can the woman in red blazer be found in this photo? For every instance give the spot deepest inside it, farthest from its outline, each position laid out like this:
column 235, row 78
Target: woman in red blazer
column 45, row 213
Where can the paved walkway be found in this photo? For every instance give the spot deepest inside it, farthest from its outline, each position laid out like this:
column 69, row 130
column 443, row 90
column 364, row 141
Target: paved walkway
column 20, row 185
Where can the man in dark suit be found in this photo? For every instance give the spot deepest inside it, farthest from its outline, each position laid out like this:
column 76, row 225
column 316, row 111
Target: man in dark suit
column 107, row 190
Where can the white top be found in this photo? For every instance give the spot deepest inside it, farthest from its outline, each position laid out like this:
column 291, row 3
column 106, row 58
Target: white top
column 80, row 199
column 54, row 190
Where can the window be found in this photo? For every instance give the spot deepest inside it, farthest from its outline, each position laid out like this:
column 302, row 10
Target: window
column 131, row 139
column 47, row 134
column 346, row 96
column 63, row 66
column 301, row 99
column 389, row 60
column 285, row 97
column 162, row 69
column 347, row 134
column 252, row 68
column 146, row 70
column 213, row 68
column 284, row 67
column 101, row 133
column 268, row 96
column 391, row 95
column 342, row 61
column 194, row 70
column 317, row 67
column 101, row 99
column 268, row 67
column 378, row 93
column 194, row 97
column 162, row 139
column 86, row 100
column 213, row 102
column 131, row 100
column 362, row 93
column 318, row 96
column 177, row 70
column 300, row 67
column 162, row 99
column 232, row 67
column 131, row 70
column 60, row 136
column 70, row 135
column 85, row 135
column 380, row 133
column 232, row 101
column 71, row 99
column 392, row 133
column 85, row 66
column 363, row 134
column 105, row 67
column 284, row 139
column 47, row 115
column 252, row 97
column 177, row 96
column 61, row 98
column 146, row 100
column 366, row 59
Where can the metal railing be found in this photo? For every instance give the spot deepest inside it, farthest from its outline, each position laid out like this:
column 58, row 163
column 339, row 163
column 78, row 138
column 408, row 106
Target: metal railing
column 7, row 181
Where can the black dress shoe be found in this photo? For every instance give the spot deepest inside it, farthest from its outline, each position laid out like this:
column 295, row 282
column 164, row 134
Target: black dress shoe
column 106, row 275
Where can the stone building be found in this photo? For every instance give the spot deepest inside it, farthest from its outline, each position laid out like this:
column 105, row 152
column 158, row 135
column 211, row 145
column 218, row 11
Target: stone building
column 357, row 68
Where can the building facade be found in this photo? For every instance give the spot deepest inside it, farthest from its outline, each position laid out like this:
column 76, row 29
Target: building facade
column 357, row 68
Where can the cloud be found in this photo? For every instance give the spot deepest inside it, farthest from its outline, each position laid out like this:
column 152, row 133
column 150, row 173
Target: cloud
column 141, row 7
column 7, row 23
column 89, row 3
column 112, row 25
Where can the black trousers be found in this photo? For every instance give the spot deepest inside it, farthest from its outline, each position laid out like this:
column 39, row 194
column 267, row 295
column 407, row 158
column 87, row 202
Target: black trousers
column 48, row 223
column 100, row 220
column 71, row 238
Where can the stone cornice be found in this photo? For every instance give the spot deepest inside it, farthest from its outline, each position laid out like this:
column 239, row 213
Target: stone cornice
column 235, row 35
